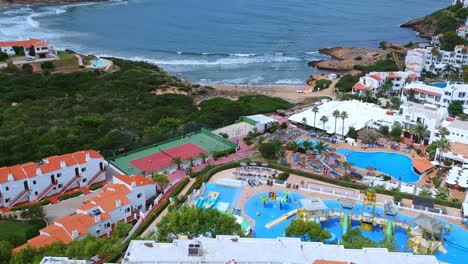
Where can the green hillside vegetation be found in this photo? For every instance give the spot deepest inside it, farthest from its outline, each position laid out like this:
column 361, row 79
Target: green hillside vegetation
column 45, row 115
column 448, row 19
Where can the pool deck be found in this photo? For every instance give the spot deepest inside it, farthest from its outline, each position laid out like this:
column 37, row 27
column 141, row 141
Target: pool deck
column 248, row 192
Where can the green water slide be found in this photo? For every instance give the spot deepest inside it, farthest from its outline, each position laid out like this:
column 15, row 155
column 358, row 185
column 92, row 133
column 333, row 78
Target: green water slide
column 388, row 230
column 345, row 223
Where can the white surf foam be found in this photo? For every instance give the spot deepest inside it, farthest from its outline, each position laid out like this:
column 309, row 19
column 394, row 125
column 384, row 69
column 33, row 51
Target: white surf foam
column 290, row 81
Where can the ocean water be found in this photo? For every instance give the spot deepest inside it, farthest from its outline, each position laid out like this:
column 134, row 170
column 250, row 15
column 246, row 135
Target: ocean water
column 217, row 41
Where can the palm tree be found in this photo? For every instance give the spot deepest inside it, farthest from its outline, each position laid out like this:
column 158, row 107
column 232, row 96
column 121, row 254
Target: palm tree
column 344, row 115
column 321, row 147
column 346, row 167
column 306, row 144
column 336, row 114
column 264, row 199
column 324, row 120
column 281, row 200
column 420, row 130
column 191, row 159
column 177, row 161
column 367, row 95
column 315, row 109
column 425, row 193
column 444, row 146
column 203, row 156
column 444, row 132
column 387, row 86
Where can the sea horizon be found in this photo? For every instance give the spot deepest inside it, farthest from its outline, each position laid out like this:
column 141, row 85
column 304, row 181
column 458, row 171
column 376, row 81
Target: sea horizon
column 213, row 42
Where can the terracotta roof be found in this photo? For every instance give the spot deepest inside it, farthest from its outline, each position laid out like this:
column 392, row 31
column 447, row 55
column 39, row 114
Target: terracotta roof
column 137, row 179
column 393, row 75
column 463, row 27
column 422, row 165
column 79, row 222
column 48, row 235
column 413, row 76
column 107, row 200
column 376, row 77
column 438, row 35
column 23, row 43
column 424, row 91
column 50, row 164
column 360, row 86
column 413, row 63
column 459, row 46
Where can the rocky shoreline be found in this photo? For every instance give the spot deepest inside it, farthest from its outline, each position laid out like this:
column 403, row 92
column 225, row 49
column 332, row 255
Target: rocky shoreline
column 419, row 25
column 10, row 3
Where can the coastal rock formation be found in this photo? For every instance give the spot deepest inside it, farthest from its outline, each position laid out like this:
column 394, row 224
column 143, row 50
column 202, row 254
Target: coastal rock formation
column 344, row 59
column 419, row 25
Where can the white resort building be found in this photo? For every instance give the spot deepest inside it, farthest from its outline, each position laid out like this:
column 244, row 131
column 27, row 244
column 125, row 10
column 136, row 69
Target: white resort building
column 42, row 49
column 360, row 115
column 432, row 59
column 32, row 181
column 233, row 249
column 122, row 201
column 441, row 95
column 375, row 82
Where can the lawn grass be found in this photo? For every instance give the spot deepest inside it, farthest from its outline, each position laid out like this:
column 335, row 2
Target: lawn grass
column 18, row 232
column 66, row 60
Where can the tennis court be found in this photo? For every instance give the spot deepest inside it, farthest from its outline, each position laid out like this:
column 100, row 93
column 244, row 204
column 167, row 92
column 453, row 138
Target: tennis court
column 159, row 157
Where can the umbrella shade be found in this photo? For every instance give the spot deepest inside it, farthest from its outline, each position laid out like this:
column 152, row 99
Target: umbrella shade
column 450, row 181
column 435, row 163
column 243, row 164
column 253, row 164
column 463, row 184
column 264, row 164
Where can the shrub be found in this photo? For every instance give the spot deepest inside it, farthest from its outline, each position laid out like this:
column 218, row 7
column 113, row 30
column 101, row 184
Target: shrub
column 283, row 176
column 222, row 153
column 10, row 68
column 95, row 187
column 27, row 68
column 448, row 163
column 48, row 65
column 358, row 58
column 69, row 195
column 345, row 84
column 386, row 178
column 24, row 207
column 3, row 56
column 322, row 84
column 397, row 197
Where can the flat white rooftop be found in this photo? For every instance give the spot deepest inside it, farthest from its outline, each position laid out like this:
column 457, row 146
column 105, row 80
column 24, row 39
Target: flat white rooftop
column 61, row 260
column 232, row 249
column 359, row 114
column 262, row 119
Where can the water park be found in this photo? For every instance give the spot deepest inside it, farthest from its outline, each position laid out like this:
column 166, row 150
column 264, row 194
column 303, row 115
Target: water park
column 265, row 207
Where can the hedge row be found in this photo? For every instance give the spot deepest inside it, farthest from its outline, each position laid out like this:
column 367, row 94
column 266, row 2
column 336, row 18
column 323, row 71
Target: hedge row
column 24, row 207
column 222, row 153
column 69, row 195
column 95, row 187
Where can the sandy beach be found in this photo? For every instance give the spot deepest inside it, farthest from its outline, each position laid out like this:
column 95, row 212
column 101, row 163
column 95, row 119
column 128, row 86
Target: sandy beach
column 286, row 92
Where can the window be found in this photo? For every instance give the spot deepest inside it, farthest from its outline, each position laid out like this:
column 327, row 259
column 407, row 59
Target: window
column 139, row 207
column 84, row 179
column 461, row 94
column 127, row 209
column 139, row 195
column 98, row 231
column 36, row 193
column 59, row 175
column 107, row 225
column 60, row 185
column 7, row 188
column 34, row 182
column 83, row 169
column 7, row 200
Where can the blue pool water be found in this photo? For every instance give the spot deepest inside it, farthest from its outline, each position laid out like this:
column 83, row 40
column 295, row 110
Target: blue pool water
column 270, row 212
column 393, row 164
column 439, row 84
column 229, row 195
column 97, row 63
column 457, row 250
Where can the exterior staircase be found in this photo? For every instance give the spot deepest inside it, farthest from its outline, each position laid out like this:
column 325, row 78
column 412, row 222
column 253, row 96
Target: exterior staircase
column 93, row 179
column 45, row 192
column 66, row 186
column 17, row 198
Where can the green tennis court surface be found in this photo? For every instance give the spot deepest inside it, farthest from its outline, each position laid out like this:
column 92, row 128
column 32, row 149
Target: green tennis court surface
column 204, row 140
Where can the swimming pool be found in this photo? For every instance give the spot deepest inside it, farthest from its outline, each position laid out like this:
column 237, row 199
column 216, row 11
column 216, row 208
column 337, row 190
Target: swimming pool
column 439, row 84
column 455, row 240
column 97, row 63
column 227, row 194
column 394, row 164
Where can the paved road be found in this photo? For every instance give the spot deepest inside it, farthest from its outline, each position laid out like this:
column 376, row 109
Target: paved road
column 67, row 207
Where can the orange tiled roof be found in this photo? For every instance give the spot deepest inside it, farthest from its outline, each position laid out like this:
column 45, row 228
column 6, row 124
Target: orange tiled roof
column 23, row 43
column 79, row 222
column 48, row 235
column 413, row 76
column 53, row 163
column 107, row 200
column 360, row 86
column 376, row 77
column 422, row 165
column 413, row 63
column 138, row 179
column 424, row 92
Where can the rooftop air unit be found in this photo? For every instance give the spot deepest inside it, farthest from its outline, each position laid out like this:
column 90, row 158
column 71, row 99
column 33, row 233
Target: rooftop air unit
column 195, row 250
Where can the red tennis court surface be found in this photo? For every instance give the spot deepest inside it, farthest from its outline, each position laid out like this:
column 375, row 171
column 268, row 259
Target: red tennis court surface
column 161, row 160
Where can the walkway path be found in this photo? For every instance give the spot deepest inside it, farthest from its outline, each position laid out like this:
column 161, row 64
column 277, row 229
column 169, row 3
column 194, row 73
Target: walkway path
column 152, row 226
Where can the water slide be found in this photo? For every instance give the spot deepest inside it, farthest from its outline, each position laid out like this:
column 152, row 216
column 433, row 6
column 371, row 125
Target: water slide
column 345, row 223
column 281, row 219
column 389, row 229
